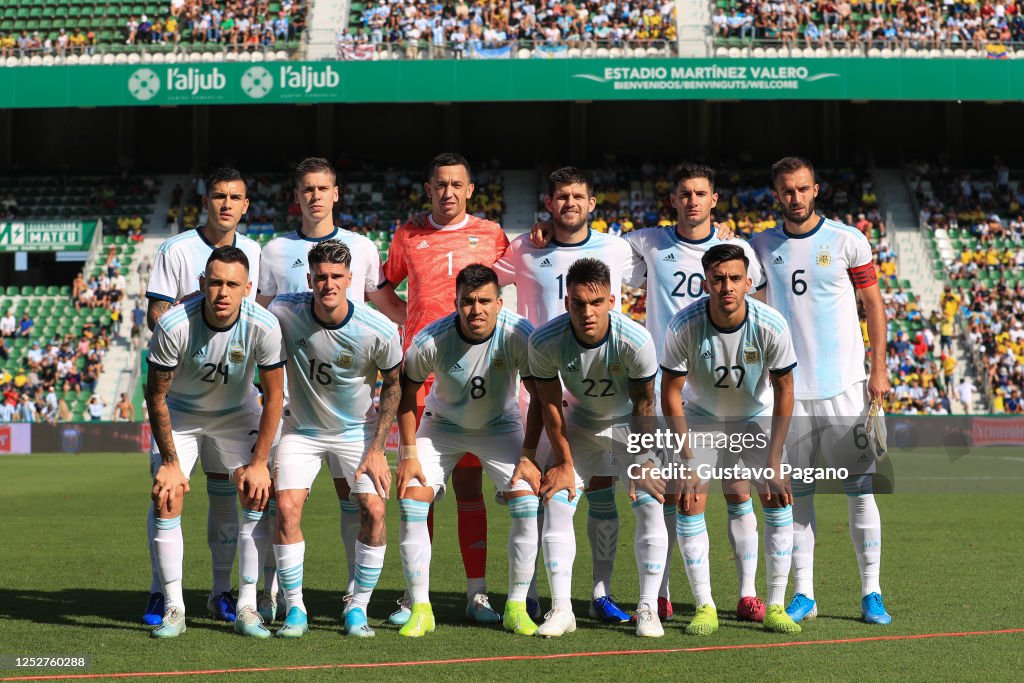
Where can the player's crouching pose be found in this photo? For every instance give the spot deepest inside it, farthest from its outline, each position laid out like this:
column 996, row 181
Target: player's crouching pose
column 721, row 354
column 607, row 364
column 477, row 355
column 200, row 394
column 337, row 347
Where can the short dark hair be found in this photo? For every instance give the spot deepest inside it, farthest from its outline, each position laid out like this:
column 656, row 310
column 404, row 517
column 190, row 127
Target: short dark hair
column 688, row 170
column 224, row 175
column 568, row 175
column 313, row 165
column 720, row 253
column 791, row 165
column 228, row 254
column 475, row 276
column 330, row 251
column 588, row 271
column 448, row 159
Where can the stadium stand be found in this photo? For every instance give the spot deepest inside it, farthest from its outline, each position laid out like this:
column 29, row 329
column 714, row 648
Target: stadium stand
column 994, row 320
column 87, row 31
column 523, row 28
column 844, row 28
column 123, row 202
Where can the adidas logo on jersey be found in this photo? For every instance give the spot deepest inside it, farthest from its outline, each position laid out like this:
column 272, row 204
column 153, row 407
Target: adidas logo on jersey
column 546, row 263
column 571, row 367
column 298, row 263
column 779, row 260
column 423, row 245
column 456, row 368
column 201, row 353
column 301, row 343
column 671, row 258
column 708, row 354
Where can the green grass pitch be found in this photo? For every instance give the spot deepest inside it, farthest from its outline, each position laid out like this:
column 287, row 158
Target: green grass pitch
column 75, row 570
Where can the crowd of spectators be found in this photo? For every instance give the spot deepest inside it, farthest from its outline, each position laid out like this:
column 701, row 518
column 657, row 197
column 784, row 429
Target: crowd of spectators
column 994, row 321
column 467, row 27
column 896, row 25
column 974, row 201
column 235, row 23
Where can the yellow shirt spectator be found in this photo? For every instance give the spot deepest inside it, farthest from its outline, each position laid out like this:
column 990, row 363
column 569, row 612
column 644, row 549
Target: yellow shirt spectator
column 599, row 224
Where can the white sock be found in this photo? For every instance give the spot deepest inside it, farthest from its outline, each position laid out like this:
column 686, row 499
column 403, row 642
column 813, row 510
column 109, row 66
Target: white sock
column 252, row 544
column 369, row 562
column 169, row 547
column 349, row 535
column 778, row 551
column 866, row 534
column 222, row 531
column 743, row 537
column 692, row 537
column 559, row 542
column 156, row 584
column 603, row 532
column 522, row 546
column 803, row 539
column 533, row 593
column 269, row 561
column 289, row 568
column 414, row 548
column 649, row 543
column 669, row 516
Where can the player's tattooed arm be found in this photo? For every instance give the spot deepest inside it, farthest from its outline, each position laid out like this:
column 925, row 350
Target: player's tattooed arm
column 169, row 479
column 390, row 396
column 641, row 393
column 155, row 309
column 375, row 462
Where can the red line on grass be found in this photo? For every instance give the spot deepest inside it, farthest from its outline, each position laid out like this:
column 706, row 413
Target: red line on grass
column 512, row 658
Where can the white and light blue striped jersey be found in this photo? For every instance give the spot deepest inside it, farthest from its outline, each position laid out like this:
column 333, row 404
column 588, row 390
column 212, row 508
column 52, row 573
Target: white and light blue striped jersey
column 727, row 370
column 181, row 259
column 812, row 280
column 214, row 368
column 284, row 266
column 539, row 272
column 675, row 276
column 474, row 381
column 596, row 378
column 333, row 368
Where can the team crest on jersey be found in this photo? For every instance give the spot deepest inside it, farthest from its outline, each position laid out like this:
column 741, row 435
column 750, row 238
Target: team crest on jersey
column 571, row 367
column 824, row 258
column 236, row 352
column 345, row 358
column 751, row 355
column 473, row 242
column 616, row 368
column 498, row 362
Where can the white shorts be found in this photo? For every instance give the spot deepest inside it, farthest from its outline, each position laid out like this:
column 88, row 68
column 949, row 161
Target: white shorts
column 830, row 432
column 718, row 455
column 299, row 458
column 595, row 454
column 439, row 451
column 223, row 443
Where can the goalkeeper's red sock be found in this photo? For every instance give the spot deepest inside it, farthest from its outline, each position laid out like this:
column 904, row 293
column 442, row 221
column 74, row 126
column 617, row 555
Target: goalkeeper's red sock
column 473, row 543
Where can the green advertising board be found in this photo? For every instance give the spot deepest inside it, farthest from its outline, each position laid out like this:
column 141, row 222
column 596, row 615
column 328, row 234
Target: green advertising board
column 512, row 80
column 47, row 235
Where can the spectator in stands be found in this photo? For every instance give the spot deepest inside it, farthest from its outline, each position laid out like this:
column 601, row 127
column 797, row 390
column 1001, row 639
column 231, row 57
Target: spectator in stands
column 124, row 411
column 8, row 412
column 8, row 325
column 27, row 326
column 95, row 407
